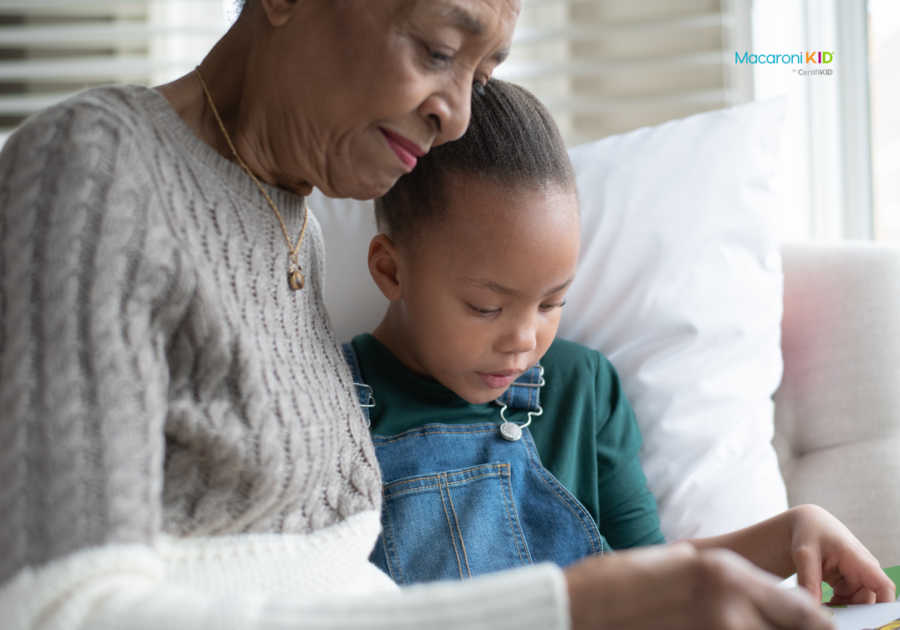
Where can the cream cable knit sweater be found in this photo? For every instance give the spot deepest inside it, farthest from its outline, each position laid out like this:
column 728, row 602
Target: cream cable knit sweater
column 179, row 444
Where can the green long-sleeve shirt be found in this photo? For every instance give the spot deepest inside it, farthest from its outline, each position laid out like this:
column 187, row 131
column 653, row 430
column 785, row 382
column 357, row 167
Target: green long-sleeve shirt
column 587, row 436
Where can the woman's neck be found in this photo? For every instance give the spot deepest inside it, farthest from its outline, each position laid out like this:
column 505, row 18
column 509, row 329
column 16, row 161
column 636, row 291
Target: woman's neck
column 225, row 71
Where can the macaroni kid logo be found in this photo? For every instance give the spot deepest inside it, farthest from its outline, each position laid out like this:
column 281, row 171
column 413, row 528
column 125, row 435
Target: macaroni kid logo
column 819, row 58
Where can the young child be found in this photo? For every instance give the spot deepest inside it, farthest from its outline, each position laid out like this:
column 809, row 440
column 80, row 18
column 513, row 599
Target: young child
column 499, row 445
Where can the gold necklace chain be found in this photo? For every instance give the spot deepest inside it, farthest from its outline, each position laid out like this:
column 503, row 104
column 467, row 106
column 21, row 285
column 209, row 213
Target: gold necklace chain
column 295, row 273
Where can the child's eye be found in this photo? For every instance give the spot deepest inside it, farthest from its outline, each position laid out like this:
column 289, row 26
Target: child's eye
column 484, row 311
column 550, row 307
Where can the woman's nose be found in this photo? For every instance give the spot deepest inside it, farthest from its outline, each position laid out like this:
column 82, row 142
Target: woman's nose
column 448, row 114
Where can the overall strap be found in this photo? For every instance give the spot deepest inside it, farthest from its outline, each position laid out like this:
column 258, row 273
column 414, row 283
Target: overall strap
column 363, row 391
column 525, row 392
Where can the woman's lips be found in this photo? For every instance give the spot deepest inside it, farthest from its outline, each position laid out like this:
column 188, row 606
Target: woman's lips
column 497, row 380
column 405, row 149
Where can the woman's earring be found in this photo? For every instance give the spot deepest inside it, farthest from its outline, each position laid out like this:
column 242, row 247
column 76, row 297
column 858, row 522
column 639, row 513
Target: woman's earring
column 478, row 88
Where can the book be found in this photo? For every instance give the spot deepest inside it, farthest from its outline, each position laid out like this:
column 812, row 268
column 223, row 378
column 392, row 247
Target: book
column 865, row 616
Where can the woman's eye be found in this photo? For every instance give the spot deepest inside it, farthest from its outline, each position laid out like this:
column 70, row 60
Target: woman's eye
column 439, row 58
column 484, row 311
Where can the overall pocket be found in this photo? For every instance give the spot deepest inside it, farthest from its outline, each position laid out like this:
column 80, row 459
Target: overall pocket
column 450, row 525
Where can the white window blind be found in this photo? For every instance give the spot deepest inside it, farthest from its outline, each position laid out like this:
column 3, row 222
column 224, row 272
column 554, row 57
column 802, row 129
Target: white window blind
column 602, row 66
column 50, row 49
column 609, row 66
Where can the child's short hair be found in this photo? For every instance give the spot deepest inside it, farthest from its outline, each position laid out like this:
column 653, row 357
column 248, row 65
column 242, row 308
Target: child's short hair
column 512, row 141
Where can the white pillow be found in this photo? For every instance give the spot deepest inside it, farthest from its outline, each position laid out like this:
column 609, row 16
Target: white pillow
column 679, row 284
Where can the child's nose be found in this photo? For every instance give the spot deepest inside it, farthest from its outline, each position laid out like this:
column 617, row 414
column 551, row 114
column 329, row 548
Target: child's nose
column 521, row 338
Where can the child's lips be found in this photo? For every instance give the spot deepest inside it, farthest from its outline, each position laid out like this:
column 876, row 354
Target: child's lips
column 498, row 380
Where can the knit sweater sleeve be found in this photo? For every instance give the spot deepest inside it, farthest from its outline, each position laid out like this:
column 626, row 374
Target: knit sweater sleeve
column 126, row 587
column 89, row 281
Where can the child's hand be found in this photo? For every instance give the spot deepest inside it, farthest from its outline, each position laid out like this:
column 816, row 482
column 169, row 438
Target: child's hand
column 810, row 542
column 823, row 549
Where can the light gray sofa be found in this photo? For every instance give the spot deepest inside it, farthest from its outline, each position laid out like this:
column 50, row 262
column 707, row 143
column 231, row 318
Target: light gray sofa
column 837, row 412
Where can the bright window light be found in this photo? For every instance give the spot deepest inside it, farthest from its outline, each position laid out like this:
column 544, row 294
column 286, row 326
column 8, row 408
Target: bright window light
column 884, row 81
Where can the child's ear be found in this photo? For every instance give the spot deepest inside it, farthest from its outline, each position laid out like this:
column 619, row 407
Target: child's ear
column 384, row 266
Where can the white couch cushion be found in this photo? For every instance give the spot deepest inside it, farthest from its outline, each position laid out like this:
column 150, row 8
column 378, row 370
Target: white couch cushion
column 679, row 284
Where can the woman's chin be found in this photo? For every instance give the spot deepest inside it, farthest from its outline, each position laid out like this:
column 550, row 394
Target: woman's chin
column 361, row 190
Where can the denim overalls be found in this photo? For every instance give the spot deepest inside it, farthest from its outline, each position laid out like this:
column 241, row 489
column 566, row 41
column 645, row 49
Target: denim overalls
column 464, row 500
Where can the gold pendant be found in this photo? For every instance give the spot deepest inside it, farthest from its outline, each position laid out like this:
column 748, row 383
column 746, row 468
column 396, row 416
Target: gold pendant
column 295, row 278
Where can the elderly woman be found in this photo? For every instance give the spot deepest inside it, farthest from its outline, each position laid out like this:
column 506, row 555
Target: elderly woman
column 179, row 443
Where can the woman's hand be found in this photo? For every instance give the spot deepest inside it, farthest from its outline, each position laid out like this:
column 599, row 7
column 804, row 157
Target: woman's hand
column 823, row 549
column 679, row 587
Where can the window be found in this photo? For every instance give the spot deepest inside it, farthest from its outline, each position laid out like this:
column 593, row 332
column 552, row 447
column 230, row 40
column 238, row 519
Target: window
column 610, row 66
column 884, row 73
column 52, row 48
